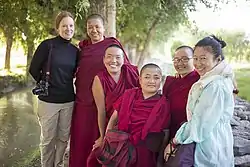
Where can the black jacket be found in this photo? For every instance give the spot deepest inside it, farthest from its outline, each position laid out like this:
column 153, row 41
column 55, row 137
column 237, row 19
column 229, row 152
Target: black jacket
column 64, row 58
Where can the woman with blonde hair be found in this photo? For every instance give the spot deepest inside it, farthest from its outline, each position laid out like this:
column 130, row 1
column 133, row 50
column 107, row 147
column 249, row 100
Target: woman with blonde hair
column 53, row 67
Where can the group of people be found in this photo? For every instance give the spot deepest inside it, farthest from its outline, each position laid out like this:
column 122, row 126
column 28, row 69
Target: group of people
column 118, row 116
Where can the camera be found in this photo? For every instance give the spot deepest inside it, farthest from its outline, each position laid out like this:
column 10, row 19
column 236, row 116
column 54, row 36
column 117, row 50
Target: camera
column 41, row 89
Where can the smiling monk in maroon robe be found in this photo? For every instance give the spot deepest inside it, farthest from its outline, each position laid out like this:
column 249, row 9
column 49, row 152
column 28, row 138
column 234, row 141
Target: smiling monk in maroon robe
column 176, row 89
column 115, row 79
column 84, row 127
column 108, row 86
column 113, row 90
column 140, row 112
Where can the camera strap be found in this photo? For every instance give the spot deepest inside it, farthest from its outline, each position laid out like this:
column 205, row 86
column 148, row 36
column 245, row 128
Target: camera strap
column 47, row 73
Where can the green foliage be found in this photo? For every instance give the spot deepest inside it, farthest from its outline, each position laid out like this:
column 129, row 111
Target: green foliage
column 142, row 23
column 33, row 20
column 238, row 43
column 25, row 18
column 82, row 9
column 134, row 18
column 175, row 45
column 243, row 82
column 138, row 21
column 8, row 15
column 238, row 46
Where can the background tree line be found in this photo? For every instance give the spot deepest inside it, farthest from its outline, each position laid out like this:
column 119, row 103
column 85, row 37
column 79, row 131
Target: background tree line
column 139, row 24
column 238, row 43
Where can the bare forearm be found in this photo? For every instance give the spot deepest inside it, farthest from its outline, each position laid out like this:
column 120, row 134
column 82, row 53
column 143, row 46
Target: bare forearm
column 111, row 124
column 101, row 122
column 112, row 121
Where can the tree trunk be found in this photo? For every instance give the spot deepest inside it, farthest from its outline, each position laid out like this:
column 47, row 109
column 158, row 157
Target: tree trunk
column 9, row 42
column 30, row 46
column 248, row 57
column 98, row 7
column 149, row 37
column 132, row 54
column 111, row 18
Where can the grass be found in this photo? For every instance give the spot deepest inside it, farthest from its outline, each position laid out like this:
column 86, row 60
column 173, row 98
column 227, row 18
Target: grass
column 19, row 70
column 243, row 81
column 31, row 160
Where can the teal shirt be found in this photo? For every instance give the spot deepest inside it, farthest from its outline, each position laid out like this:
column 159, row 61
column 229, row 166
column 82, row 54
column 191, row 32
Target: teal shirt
column 211, row 105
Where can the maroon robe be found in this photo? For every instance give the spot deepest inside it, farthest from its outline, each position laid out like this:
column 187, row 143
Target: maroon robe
column 129, row 78
column 139, row 117
column 176, row 91
column 84, row 127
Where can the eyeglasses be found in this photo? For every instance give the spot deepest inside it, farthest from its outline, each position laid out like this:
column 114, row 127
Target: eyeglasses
column 183, row 60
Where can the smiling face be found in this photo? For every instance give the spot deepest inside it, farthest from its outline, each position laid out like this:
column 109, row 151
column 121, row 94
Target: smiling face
column 95, row 30
column 66, row 28
column 150, row 80
column 204, row 61
column 183, row 62
column 113, row 59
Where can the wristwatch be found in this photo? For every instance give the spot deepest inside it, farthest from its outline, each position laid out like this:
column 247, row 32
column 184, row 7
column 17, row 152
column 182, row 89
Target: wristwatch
column 236, row 91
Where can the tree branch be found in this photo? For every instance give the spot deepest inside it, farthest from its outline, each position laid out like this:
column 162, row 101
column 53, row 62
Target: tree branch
column 150, row 33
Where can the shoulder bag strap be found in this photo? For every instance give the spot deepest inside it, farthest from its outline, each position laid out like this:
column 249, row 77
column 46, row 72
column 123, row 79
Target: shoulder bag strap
column 47, row 73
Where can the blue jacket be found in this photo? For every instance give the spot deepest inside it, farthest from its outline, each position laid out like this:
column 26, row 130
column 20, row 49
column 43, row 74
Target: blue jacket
column 210, row 108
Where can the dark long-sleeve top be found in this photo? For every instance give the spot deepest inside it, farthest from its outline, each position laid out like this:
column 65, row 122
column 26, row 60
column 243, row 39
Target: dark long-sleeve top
column 64, row 58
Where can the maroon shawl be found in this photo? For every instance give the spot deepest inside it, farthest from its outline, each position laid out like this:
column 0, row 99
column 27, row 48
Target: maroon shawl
column 139, row 116
column 85, row 112
column 116, row 150
column 112, row 90
column 176, row 91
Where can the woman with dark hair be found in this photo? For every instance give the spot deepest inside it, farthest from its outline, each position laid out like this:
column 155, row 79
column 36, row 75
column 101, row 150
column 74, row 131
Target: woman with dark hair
column 210, row 108
column 84, row 127
column 56, row 105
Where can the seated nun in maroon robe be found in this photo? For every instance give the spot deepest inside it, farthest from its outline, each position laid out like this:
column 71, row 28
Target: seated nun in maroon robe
column 176, row 89
column 139, row 112
column 84, row 127
column 108, row 86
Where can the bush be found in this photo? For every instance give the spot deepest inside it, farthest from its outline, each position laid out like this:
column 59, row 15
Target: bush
column 11, row 82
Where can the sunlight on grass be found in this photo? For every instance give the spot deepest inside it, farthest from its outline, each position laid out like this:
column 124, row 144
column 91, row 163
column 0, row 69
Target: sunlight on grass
column 32, row 159
column 13, row 71
column 17, row 60
column 243, row 81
